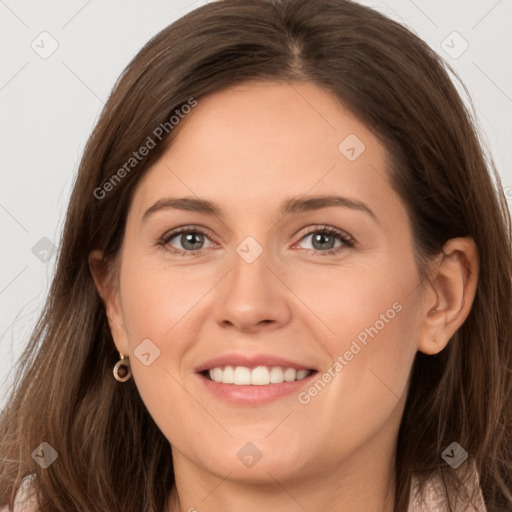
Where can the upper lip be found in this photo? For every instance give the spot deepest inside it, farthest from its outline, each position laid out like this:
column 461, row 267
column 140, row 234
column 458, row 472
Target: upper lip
column 250, row 361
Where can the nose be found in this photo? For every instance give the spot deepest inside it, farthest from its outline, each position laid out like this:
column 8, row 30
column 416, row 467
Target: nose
column 253, row 296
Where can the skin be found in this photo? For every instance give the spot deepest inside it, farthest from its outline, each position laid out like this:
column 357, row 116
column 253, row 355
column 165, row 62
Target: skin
column 248, row 148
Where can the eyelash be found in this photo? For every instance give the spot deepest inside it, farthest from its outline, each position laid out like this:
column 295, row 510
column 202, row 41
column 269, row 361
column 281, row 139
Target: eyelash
column 348, row 242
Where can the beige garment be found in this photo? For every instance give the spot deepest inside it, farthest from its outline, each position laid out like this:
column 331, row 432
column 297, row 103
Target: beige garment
column 431, row 500
column 26, row 500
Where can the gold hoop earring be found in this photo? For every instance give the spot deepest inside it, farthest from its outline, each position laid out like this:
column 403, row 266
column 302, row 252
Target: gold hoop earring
column 122, row 371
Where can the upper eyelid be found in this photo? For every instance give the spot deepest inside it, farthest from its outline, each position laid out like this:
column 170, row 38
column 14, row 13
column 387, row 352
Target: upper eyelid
column 186, row 229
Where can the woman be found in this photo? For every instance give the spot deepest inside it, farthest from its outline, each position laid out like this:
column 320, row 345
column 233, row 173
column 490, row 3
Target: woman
column 201, row 350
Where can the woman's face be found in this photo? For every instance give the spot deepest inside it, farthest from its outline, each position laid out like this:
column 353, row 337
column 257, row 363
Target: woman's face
column 261, row 287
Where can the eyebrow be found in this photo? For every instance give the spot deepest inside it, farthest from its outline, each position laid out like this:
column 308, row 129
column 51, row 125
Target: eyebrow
column 291, row 205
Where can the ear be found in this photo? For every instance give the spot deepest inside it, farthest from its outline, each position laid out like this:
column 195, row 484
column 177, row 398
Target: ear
column 108, row 289
column 449, row 294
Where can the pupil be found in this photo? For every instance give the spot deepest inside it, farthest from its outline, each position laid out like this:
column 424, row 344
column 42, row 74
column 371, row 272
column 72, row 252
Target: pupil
column 189, row 239
column 322, row 237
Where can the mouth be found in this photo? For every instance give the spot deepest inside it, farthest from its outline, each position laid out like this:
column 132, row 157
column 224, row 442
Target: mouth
column 254, row 385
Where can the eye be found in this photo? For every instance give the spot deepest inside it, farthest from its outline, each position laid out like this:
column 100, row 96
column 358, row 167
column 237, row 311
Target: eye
column 323, row 240
column 189, row 240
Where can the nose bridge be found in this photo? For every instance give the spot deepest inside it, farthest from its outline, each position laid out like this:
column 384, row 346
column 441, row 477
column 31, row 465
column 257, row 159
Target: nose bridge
column 250, row 267
column 249, row 281
column 252, row 294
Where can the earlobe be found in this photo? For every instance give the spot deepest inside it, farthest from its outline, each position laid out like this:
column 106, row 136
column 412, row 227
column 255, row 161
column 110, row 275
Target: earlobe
column 451, row 291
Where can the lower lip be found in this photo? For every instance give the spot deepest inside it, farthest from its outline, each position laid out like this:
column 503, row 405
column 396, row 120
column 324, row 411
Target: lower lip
column 254, row 395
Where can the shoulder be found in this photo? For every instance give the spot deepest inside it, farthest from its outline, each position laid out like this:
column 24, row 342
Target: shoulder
column 26, row 497
column 432, row 497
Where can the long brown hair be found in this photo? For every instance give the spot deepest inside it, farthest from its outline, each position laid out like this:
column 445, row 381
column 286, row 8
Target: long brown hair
column 111, row 454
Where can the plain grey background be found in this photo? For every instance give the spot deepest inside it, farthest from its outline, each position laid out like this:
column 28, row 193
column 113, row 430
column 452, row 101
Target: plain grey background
column 60, row 61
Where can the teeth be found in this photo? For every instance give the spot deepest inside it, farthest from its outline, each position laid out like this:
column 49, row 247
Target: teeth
column 227, row 376
column 276, row 375
column 242, row 376
column 217, row 374
column 301, row 374
column 259, row 376
column 290, row 374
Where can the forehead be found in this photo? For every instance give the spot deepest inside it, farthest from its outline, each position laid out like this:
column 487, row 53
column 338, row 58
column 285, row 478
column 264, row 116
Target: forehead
column 265, row 140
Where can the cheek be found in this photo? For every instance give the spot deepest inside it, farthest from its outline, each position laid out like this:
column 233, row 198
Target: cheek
column 369, row 317
column 363, row 301
column 161, row 304
column 363, row 389
column 156, row 298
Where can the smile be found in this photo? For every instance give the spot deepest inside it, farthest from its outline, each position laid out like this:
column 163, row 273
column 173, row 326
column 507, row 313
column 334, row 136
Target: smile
column 258, row 376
